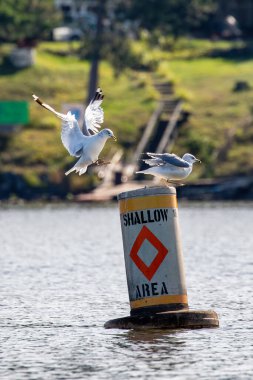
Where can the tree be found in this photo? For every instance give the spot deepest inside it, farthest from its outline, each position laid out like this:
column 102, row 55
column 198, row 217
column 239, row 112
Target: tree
column 27, row 20
column 108, row 40
column 96, row 44
column 116, row 20
column 170, row 17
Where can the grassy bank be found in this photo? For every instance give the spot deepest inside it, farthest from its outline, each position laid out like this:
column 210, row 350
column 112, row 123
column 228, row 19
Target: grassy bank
column 58, row 78
column 219, row 131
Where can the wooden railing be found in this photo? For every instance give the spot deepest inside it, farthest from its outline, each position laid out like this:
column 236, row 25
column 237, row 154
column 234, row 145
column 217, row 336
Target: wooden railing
column 169, row 130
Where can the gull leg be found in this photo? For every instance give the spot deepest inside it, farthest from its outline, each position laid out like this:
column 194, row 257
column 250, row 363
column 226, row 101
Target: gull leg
column 101, row 162
column 175, row 182
column 164, row 182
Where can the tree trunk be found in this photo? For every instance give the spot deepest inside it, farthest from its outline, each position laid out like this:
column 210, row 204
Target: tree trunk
column 97, row 44
column 93, row 78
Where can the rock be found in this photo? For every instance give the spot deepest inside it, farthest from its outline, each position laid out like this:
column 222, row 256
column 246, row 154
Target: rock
column 241, row 86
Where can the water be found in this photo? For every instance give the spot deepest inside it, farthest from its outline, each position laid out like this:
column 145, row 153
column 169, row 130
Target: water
column 62, row 277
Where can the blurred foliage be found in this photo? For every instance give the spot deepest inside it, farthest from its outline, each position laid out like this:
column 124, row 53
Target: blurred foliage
column 116, row 49
column 119, row 21
column 220, row 128
column 173, row 17
column 131, row 56
column 204, row 74
column 26, row 21
column 37, row 152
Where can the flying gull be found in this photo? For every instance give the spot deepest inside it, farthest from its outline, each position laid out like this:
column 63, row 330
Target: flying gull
column 87, row 144
column 169, row 167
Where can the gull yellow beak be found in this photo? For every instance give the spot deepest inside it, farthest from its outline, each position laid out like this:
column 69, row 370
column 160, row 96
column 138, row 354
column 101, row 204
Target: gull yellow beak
column 114, row 138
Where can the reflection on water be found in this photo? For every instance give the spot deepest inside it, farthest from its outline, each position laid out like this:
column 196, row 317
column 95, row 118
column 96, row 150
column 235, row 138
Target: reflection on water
column 150, row 336
column 63, row 276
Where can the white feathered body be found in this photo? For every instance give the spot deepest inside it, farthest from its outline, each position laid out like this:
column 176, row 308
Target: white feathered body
column 86, row 144
column 91, row 148
column 168, row 172
column 169, row 166
column 94, row 147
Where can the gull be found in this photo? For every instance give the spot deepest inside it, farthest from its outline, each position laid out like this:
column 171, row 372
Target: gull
column 87, row 144
column 169, row 167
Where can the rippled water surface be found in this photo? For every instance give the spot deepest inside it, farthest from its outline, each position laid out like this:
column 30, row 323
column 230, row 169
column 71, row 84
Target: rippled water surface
column 63, row 276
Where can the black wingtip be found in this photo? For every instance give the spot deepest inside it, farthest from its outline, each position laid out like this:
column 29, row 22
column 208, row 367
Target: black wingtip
column 98, row 95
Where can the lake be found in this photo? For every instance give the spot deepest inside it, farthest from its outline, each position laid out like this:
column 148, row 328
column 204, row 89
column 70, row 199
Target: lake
column 63, row 276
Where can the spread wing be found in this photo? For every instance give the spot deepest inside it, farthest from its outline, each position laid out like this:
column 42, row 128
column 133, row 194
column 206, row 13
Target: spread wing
column 158, row 159
column 153, row 161
column 71, row 135
column 49, row 108
column 94, row 114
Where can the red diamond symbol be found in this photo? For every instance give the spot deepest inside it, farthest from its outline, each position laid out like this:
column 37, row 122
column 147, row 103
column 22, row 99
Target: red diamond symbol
column 148, row 271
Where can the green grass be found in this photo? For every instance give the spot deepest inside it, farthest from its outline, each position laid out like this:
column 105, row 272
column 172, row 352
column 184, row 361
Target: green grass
column 129, row 100
column 219, row 129
column 218, row 111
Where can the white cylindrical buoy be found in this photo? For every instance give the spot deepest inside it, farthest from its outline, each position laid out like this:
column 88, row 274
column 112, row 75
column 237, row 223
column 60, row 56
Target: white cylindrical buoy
column 154, row 263
column 152, row 250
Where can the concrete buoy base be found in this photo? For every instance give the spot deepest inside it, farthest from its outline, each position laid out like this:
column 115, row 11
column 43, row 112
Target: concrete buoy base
column 183, row 319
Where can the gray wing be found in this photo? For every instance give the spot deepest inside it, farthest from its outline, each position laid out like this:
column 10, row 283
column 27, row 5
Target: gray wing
column 49, row 108
column 167, row 158
column 71, row 136
column 153, row 162
column 94, row 114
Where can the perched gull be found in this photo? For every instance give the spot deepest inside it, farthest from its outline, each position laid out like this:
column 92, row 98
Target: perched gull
column 168, row 166
column 86, row 145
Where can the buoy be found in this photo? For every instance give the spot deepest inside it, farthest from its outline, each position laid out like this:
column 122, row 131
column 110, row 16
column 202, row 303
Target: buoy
column 154, row 263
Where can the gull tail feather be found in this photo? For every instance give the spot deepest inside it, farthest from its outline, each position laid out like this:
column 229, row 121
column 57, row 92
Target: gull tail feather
column 80, row 170
column 146, row 171
column 70, row 170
